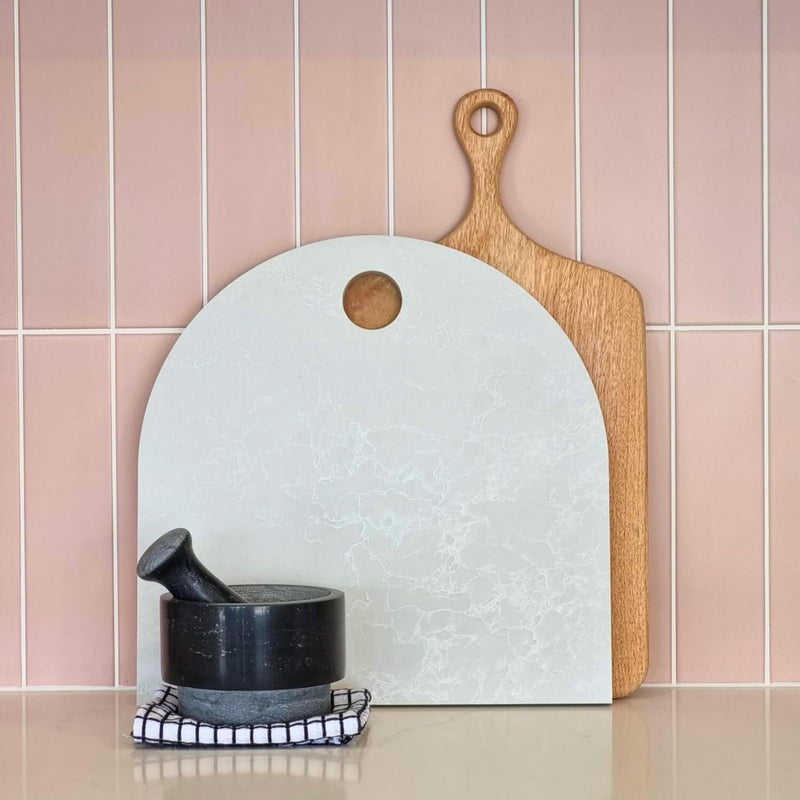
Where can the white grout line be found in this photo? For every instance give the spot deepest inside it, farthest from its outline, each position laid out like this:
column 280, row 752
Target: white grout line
column 765, row 271
column 85, row 331
column 23, row 635
column 204, row 147
column 33, row 689
column 112, row 318
column 577, row 97
column 296, row 56
column 390, row 114
column 673, row 439
column 750, row 685
column 713, row 327
column 129, row 331
column 484, row 111
column 754, row 685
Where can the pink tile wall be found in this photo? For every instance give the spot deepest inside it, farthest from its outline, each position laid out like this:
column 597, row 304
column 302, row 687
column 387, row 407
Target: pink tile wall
column 530, row 55
column 720, row 514
column 157, row 162
column 784, row 160
column 718, row 162
column 9, row 520
column 349, row 160
column 436, row 60
column 139, row 357
column 251, row 163
column 68, row 510
column 343, row 141
column 64, row 170
column 660, row 516
column 8, row 171
column 784, row 437
column 624, row 152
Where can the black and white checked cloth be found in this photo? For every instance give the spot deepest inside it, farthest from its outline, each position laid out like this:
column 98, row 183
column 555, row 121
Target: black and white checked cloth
column 159, row 722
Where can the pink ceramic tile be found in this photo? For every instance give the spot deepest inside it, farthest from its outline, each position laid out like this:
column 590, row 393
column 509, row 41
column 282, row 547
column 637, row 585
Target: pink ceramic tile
column 720, row 569
column 343, row 147
column 718, row 167
column 250, row 135
column 784, row 160
column 436, row 60
column 624, row 152
column 68, row 510
column 8, row 172
column 530, row 56
column 784, row 510
column 658, row 435
column 139, row 359
column 157, row 161
column 64, row 170
column 9, row 519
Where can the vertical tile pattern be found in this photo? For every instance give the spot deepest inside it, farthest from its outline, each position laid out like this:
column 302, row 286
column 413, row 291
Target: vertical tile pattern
column 530, row 55
column 784, row 160
column 343, row 147
column 68, row 510
column 784, row 469
column 436, row 60
column 9, row 520
column 157, row 161
column 64, row 169
column 8, row 170
column 344, row 186
column 624, row 153
column 718, row 168
column 720, row 615
column 660, row 513
column 250, row 135
column 139, row 358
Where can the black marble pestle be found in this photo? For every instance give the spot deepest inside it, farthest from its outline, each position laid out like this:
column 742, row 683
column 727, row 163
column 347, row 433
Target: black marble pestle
column 171, row 561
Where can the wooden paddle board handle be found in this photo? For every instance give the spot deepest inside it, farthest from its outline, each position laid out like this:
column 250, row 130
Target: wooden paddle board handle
column 603, row 316
column 486, row 151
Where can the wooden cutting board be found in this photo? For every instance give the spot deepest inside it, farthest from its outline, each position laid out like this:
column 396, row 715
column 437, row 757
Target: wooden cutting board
column 603, row 316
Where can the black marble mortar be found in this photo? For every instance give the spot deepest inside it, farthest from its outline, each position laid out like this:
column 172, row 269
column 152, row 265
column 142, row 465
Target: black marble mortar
column 269, row 659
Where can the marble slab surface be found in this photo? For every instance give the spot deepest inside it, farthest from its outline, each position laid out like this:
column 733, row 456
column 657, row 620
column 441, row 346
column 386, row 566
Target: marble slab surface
column 449, row 472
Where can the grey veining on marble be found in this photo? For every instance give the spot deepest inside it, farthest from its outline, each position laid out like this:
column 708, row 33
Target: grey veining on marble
column 448, row 472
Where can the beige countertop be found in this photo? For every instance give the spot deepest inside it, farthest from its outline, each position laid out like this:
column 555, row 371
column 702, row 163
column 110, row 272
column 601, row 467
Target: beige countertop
column 661, row 743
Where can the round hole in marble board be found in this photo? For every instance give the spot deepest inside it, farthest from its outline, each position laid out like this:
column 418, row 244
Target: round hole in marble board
column 372, row 300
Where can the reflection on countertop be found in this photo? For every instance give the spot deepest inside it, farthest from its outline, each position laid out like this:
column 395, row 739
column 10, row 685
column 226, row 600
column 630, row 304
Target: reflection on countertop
column 661, row 743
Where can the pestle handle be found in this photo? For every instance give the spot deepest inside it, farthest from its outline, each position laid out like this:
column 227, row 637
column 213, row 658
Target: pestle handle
column 170, row 561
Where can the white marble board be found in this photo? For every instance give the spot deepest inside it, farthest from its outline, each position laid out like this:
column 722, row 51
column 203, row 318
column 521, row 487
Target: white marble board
column 449, row 472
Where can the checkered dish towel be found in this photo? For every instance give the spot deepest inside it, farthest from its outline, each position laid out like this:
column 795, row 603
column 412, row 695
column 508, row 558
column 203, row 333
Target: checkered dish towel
column 159, row 722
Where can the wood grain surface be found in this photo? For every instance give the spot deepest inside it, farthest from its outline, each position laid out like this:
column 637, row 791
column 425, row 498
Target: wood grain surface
column 603, row 316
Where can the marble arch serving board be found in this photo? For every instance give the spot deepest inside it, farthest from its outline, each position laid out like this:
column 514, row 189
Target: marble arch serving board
column 449, row 472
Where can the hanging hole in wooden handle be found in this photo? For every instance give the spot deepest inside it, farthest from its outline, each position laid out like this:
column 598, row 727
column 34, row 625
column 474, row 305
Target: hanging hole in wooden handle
column 486, row 151
column 484, row 121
